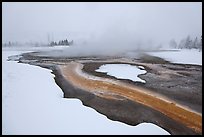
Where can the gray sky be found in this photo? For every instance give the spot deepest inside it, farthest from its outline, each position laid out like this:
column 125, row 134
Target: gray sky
column 125, row 22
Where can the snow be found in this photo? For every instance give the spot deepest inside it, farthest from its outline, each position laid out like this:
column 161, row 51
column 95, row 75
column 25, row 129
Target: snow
column 123, row 71
column 30, row 48
column 184, row 56
column 141, row 67
column 33, row 104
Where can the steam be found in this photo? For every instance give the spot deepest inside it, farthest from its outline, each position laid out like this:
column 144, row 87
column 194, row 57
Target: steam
column 102, row 28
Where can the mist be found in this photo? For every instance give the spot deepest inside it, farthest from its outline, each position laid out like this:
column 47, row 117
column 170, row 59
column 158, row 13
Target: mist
column 102, row 28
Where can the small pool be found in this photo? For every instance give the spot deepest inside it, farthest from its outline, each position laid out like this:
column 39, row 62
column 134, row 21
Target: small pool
column 123, row 71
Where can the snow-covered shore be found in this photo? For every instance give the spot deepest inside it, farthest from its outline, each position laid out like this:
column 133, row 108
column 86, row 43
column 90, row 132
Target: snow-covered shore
column 33, row 104
column 184, row 56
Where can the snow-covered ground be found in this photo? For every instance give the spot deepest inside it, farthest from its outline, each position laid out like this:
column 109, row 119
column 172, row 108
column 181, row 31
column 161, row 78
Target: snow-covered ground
column 123, row 71
column 33, row 104
column 184, row 56
column 26, row 48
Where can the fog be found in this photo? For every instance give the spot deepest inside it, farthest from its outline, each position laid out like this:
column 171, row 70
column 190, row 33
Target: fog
column 102, row 26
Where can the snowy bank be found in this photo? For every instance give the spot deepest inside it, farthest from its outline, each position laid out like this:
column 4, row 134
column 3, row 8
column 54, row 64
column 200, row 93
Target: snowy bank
column 184, row 56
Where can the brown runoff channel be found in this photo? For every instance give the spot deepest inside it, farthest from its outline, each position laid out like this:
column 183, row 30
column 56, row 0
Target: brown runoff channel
column 178, row 113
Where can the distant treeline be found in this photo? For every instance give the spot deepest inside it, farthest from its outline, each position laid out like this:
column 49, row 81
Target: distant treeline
column 187, row 43
column 37, row 44
column 20, row 44
column 62, row 42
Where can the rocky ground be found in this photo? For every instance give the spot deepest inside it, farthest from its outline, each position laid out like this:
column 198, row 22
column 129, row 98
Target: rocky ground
column 182, row 83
